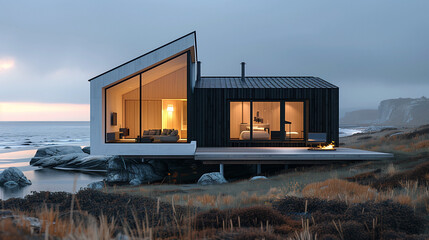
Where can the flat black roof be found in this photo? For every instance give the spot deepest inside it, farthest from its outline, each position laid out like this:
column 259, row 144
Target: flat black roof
column 263, row 82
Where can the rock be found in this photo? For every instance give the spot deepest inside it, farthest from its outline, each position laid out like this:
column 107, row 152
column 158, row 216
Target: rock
column 86, row 150
column 54, row 151
column 160, row 166
column 258, row 178
column 57, row 160
column 135, row 182
column 15, row 175
column 96, row 185
column 11, row 184
column 76, row 161
column 212, row 178
column 87, row 162
column 123, row 170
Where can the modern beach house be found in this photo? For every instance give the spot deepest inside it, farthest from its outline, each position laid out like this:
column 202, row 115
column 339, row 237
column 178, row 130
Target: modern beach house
column 159, row 105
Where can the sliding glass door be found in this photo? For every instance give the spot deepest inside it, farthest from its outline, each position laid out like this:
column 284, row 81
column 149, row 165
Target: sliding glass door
column 263, row 120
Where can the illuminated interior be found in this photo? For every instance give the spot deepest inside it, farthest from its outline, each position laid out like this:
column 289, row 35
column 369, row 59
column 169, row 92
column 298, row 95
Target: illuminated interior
column 294, row 120
column 150, row 107
column 266, row 121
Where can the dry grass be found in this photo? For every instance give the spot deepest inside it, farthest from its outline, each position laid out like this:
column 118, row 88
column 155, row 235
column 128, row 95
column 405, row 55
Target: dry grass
column 336, row 189
column 408, row 143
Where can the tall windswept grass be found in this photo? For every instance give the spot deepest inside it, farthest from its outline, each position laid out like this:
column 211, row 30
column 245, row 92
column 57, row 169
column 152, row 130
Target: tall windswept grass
column 336, row 189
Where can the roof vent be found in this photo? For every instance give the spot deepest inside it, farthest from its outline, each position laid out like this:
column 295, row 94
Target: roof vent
column 243, row 71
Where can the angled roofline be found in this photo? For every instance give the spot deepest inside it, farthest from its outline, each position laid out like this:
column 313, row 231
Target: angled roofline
column 195, row 44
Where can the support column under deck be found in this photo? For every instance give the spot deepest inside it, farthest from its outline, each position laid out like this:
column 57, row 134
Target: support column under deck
column 221, row 168
column 258, row 170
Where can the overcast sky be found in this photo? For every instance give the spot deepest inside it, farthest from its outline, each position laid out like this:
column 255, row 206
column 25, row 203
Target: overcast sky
column 372, row 50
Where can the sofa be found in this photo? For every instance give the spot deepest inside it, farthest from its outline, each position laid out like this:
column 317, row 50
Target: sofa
column 156, row 135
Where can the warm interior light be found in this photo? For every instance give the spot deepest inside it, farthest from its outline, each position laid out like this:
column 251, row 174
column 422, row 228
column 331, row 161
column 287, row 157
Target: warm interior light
column 170, row 108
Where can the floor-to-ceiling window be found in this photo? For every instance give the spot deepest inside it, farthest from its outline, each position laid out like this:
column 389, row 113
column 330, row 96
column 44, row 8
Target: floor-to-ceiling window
column 239, row 119
column 262, row 120
column 150, row 107
column 294, row 120
column 266, row 121
column 122, row 111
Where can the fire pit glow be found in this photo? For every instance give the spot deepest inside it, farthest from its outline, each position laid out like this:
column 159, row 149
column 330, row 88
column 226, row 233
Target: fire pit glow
column 329, row 147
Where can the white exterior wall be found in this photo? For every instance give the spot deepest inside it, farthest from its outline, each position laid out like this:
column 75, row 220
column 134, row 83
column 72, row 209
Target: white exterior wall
column 97, row 85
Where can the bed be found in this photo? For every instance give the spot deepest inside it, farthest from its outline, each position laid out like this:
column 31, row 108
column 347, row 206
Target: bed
column 257, row 135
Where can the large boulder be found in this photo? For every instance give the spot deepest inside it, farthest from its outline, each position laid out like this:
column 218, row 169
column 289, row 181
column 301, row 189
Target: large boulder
column 57, row 160
column 11, row 175
column 11, row 184
column 123, row 170
column 69, row 157
column 212, row 178
column 87, row 163
column 55, row 151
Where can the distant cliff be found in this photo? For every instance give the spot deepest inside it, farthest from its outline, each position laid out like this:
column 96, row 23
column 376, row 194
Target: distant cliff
column 367, row 116
column 401, row 111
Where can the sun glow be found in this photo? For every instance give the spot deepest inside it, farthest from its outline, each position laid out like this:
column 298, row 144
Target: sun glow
column 6, row 64
column 33, row 111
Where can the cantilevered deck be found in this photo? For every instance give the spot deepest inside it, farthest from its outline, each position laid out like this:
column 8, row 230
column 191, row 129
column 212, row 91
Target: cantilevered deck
column 283, row 155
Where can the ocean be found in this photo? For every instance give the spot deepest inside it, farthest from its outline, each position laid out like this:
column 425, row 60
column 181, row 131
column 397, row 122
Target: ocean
column 19, row 142
column 30, row 135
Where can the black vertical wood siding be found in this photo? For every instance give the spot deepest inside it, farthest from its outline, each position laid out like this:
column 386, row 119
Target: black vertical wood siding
column 211, row 117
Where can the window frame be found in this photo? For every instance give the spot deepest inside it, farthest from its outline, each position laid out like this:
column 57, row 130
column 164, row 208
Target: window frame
column 282, row 117
column 188, row 83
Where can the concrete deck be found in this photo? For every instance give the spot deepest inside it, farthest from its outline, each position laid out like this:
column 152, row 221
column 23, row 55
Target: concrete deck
column 279, row 155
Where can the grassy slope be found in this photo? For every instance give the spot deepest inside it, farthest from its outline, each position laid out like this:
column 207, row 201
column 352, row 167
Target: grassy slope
column 366, row 200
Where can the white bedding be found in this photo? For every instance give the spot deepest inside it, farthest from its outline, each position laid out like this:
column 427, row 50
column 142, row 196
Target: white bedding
column 257, row 135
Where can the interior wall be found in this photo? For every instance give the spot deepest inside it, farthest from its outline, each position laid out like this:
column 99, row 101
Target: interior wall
column 236, row 117
column 151, row 114
column 132, row 109
column 171, row 86
column 270, row 112
column 294, row 112
column 172, row 120
column 115, row 102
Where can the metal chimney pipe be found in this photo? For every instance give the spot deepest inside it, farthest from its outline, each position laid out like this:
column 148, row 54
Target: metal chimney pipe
column 198, row 70
column 243, row 71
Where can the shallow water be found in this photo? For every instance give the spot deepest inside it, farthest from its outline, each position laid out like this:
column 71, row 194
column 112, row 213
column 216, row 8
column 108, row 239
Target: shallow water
column 42, row 179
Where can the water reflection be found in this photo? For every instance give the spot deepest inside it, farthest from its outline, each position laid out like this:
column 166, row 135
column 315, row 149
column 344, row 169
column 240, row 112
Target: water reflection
column 43, row 179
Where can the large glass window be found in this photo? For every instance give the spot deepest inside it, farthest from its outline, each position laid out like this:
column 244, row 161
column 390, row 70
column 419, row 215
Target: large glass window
column 150, row 107
column 266, row 120
column 239, row 118
column 260, row 120
column 294, row 120
column 122, row 111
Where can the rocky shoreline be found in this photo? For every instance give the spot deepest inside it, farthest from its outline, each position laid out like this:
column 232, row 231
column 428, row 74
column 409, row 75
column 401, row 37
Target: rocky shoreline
column 125, row 170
